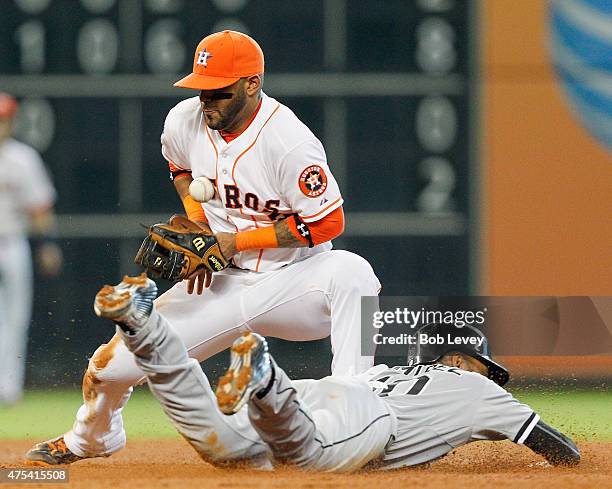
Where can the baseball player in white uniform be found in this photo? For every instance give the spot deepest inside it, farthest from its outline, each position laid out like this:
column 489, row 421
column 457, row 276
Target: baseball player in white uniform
column 385, row 418
column 275, row 209
column 26, row 205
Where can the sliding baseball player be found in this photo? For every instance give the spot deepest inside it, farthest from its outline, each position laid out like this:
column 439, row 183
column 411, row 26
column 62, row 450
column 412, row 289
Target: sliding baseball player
column 388, row 417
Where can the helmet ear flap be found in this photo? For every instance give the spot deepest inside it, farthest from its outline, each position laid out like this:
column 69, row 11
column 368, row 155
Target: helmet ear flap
column 432, row 353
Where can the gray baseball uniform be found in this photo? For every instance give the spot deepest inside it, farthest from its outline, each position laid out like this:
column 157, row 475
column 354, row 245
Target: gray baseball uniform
column 389, row 417
column 440, row 408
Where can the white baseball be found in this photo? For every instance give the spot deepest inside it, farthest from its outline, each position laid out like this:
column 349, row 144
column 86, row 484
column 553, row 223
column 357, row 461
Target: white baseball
column 201, row 189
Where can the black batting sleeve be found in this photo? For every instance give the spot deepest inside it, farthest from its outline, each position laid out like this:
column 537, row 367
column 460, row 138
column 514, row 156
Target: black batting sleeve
column 553, row 445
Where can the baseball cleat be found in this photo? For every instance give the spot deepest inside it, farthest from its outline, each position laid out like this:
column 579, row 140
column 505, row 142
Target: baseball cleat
column 130, row 302
column 51, row 452
column 250, row 371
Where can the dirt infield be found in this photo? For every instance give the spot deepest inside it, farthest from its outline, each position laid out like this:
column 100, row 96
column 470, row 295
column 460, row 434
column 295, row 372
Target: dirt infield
column 172, row 463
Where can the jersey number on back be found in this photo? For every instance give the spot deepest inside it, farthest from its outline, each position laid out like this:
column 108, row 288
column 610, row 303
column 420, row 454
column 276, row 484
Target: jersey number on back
column 410, row 387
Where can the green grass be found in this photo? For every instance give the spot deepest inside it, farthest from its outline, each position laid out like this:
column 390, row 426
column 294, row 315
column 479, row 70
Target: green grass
column 44, row 414
column 583, row 414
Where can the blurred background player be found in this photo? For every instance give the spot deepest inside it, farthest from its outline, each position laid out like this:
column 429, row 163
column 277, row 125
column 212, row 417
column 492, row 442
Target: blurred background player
column 27, row 197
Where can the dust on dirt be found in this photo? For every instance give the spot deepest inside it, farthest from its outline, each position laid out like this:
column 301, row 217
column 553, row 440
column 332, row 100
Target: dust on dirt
column 172, row 463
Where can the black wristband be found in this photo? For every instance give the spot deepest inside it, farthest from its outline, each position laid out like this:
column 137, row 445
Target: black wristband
column 174, row 174
column 303, row 229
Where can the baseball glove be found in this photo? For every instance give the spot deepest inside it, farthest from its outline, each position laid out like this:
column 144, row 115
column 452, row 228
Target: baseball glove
column 174, row 250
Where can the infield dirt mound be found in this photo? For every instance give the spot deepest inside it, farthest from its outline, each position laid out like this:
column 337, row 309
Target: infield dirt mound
column 172, row 463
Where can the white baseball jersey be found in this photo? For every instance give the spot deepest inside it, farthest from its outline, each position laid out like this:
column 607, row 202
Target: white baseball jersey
column 24, row 185
column 274, row 168
column 439, row 408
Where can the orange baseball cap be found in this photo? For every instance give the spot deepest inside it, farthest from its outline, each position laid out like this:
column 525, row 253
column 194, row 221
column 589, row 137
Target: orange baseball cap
column 221, row 59
column 8, row 106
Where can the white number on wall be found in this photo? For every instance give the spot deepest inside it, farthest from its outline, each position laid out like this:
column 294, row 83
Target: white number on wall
column 31, row 39
column 437, row 194
column 164, row 49
column 35, row 124
column 32, row 7
column 98, row 46
column 164, row 6
column 436, row 5
column 436, row 124
column 435, row 52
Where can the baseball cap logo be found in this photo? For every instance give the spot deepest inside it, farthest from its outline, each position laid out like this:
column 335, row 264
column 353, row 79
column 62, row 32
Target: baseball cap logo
column 203, row 57
column 236, row 55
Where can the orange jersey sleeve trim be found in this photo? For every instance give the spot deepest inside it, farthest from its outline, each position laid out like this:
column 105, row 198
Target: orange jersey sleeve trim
column 335, row 202
column 176, row 172
column 173, row 167
column 329, row 227
column 181, row 175
column 194, row 210
column 256, row 239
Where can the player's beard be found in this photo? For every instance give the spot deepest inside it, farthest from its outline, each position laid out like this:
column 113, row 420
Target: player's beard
column 224, row 120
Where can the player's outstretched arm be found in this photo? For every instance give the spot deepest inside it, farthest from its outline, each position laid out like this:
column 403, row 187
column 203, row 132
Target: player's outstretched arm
column 277, row 236
column 499, row 412
column 290, row 232
column 193, row 209
column 553, row 445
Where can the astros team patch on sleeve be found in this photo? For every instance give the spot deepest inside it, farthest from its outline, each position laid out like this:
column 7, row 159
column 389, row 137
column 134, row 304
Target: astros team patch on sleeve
column 313, row 181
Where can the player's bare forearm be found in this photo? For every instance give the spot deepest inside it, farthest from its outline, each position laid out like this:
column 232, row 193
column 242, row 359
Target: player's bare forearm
column 182, row 185
column 43, row 230
column 227, row 244
column 42, row 221
column 285, row 238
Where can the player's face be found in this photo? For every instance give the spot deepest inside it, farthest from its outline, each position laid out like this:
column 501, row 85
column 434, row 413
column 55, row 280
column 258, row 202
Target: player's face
column 465, row 362
column 474, row 365
column 222, row 108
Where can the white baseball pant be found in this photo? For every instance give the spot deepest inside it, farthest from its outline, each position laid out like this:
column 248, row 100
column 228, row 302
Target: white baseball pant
column 15, row 314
